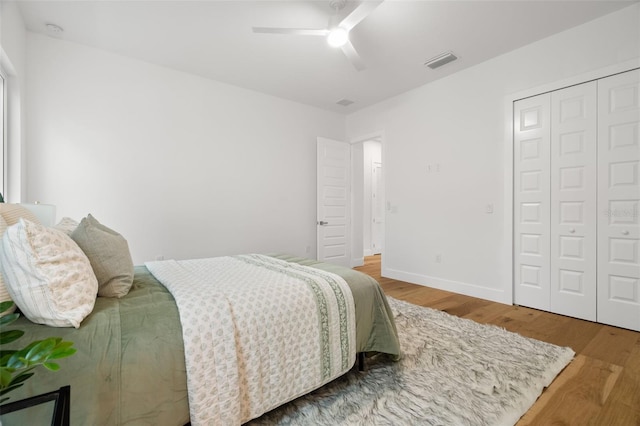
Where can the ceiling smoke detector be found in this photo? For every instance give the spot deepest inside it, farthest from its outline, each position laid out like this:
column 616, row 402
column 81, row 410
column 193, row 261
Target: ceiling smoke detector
column 440, row 60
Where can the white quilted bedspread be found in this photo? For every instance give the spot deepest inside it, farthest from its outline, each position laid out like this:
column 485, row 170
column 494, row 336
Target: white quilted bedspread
column 258, row 332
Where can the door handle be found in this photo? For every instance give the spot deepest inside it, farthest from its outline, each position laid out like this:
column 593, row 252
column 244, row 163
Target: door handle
column 322, row 223
column 625, row 232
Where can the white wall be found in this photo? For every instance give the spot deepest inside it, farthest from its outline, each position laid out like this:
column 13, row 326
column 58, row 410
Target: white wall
column 182, row 166
column 457, row 126
column 13, row 41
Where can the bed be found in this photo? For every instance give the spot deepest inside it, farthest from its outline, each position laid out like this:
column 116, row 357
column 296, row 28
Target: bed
column 130, row 362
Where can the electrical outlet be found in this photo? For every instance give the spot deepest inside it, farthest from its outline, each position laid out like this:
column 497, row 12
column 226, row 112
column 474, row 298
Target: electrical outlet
column 159, row 257
column 438, row 258
column 489, row 208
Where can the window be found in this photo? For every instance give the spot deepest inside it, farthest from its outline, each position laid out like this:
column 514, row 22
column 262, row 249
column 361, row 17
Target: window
column 3, row 130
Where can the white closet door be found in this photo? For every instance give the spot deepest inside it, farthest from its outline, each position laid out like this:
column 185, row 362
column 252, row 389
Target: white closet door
column 618, row 200
column 573, row 201
column 531, row 201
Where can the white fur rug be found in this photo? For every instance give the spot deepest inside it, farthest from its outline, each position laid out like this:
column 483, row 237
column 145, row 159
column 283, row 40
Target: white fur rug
column 454, row 372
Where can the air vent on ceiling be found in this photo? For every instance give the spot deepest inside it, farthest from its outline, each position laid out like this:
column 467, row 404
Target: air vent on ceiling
column 53, row 29
column 440, row 60
column 345, row 102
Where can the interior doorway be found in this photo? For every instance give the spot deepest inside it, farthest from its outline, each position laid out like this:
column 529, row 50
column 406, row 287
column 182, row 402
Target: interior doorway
column 373, row 210
column 367, row 197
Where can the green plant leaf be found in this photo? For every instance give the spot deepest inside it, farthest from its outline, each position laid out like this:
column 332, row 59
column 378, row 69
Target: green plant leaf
column 16, row 361
column 10, row 388
column 63, row 349
column 8, row 319
column 39, row 352
column 10, row 336
column 5, row 377
column 23, row 352
column 21, row 377
column 5, row 355
column 16, row 366
column 5, row 306
column 64, row 345
column 51, row 366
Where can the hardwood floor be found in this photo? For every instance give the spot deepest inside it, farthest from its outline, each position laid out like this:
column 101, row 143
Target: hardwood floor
column 601, row 386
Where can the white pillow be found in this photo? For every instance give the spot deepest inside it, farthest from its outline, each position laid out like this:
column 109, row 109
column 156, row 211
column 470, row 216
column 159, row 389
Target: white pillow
column 4, row 293
column 47, row 275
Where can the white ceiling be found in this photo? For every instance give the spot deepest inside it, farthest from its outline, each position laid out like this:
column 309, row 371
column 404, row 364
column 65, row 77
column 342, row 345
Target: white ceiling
column 214, row 39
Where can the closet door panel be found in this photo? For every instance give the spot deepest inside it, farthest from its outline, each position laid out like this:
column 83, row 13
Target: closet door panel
column 619, row 200
column 573, row 201
column 531, row 202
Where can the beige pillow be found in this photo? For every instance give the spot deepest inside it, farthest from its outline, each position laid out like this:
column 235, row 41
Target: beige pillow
column 4, row 293
column 47, row 275
column 109, row 255
column 13, row 212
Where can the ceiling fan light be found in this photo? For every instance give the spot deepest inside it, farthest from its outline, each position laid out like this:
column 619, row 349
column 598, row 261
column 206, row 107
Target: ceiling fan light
column 337, row 37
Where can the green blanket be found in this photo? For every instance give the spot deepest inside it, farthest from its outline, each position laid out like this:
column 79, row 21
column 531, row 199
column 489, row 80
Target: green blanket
column 129, row 368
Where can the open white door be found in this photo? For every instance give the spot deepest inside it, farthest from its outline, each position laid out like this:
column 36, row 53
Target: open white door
column 333, row 201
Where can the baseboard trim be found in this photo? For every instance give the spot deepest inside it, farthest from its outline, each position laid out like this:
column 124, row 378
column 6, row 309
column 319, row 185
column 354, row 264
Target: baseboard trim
column 467, row 289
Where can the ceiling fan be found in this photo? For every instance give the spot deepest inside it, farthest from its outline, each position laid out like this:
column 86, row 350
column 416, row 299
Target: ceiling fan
column 337, row 34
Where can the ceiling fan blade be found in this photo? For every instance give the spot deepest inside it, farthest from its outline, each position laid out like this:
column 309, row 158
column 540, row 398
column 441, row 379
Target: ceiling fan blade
column 296, row 31
column 353, row 56
column 359, row 13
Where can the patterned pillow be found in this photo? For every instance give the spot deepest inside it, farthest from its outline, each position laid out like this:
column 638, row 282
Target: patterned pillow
column 66, row 225
column 4, row 293
column 13, row 212
column 109, row 255
column 47, row 275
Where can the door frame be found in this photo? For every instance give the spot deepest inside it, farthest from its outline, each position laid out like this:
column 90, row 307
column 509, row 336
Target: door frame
column 508, row 231
column 357, row 201
column 377, row 205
